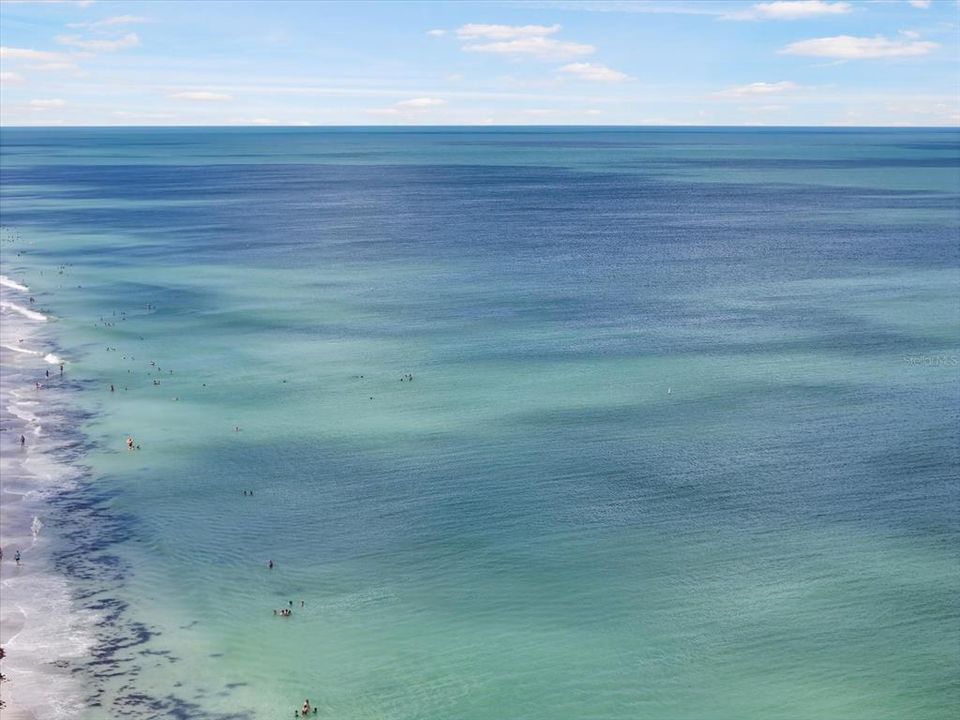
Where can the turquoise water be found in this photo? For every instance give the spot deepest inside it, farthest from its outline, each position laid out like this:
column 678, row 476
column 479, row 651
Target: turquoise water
column 681, row 439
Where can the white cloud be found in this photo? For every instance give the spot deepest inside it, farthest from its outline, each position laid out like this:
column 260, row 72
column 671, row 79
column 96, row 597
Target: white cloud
column 12, row 53
column 520, row 40
column 421, row 102
column 758, row 89
column 47, row 104
column 409, row 108
column 55, row 66
column 541, row 47
column 126, row 114
column 594, row 72
column 922, row 4
column 474, row 31
column 110, row 22
column 127, row 41
column 436, row 33
column 790, row 10
column 847, row 47
column 11, row 78
column 79, row 3
column 200, row 95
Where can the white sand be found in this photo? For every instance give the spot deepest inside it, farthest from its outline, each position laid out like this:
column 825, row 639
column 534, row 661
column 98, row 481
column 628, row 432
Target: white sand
column 37, row 625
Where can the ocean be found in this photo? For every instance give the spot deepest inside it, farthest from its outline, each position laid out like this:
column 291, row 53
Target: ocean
column 540, row 423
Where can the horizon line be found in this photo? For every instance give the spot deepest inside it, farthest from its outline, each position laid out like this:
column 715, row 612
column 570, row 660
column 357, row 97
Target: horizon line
column 294, row 126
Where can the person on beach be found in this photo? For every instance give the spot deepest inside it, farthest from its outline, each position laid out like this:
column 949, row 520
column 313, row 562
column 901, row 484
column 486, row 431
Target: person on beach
column 17, row 557
column 61, row 368
column 23, row 440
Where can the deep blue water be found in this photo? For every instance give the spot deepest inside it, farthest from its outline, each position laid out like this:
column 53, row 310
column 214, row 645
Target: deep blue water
column 682, row 439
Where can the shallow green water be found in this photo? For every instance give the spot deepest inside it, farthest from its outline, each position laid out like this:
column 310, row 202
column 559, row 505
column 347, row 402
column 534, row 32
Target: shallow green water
column 681, row 440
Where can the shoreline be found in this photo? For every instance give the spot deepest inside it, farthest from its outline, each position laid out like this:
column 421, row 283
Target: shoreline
column 41, row 630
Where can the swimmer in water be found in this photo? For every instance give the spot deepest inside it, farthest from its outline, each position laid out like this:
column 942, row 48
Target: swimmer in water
column 129, row 443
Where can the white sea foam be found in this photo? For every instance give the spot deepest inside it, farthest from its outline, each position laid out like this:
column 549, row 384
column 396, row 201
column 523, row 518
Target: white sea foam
column 28, row 351
column 48, row 357
column 44, row 627
column 26, row 312
column 7, row 282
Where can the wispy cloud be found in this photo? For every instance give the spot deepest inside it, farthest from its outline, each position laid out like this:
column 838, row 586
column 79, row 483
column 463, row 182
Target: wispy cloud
column 55, row 66
column 268, row 121
column 922, row 4
column 79, row 3
column 790, row 10
column 474, row 31
column 110, row 22
column 12, row 53
column 648, row 7
column 758, row 89
column 594, row 72
column 11, row 78
column 131, row 115
column 848, row 47
column 436, row 33
column 127, row 41
column 47, row 104
column 201, row 96
column 540, row 47
column 764, row 108
column 520, row 40
column 420, row 103
column 409, row 108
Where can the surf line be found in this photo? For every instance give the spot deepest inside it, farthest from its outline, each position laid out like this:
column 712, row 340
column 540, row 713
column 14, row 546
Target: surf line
column 27, row 313
column 7, row 282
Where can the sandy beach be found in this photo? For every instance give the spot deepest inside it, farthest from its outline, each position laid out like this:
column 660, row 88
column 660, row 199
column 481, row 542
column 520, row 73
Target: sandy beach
column 38, row 630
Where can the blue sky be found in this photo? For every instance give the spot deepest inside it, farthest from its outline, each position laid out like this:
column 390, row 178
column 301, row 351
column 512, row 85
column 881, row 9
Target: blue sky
column 610, row 62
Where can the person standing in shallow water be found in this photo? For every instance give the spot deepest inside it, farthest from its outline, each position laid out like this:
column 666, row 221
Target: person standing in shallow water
column 23, row 440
